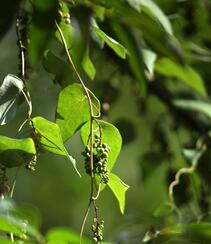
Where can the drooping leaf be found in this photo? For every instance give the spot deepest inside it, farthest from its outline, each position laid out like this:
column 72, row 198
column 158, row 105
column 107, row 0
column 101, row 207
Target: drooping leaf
column 185, row 73
column 119, row 188
column 150, row 8
column 14, row 152
column 51, row 139
column 10, row 91
column 116, row 46
column 110, row 135
column 194, row 105
column 73, row 109
column 64, row 235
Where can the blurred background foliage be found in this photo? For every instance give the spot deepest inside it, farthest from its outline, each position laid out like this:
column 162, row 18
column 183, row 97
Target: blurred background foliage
column 149, row 64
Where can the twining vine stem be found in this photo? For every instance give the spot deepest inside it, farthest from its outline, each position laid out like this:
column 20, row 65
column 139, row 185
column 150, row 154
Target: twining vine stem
column 92, row 118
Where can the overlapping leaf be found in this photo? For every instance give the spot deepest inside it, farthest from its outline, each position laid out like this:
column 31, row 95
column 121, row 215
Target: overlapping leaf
column 50, row 138
column 73, row 109
column 14, row 152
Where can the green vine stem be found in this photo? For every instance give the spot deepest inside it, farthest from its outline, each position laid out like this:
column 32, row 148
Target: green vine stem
column 92, row 118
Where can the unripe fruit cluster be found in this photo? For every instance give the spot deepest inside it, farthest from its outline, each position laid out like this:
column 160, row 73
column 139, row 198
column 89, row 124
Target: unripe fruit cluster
column 100, row 159
column 98, row 232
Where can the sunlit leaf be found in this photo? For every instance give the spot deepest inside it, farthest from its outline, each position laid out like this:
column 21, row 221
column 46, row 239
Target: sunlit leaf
column 73, row 109
column 14, row 152
column 50, row 138
column 119, row 188
column 116, row 46
column 185, row 73
column 10, row 91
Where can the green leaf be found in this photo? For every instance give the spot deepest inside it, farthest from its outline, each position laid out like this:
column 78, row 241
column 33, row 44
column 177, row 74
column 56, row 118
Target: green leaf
column 110, row 135
column 61, row 69
column 14, row 152
column 64, row 235
column 149, row 58
column 50, row 138
column 19, row 227
column 163, row 210
column 73, row 109
column 116, row 46
column 150, row 8
column 194, row 105
column 10, row 91
column 88, row 66
column 119, row 188
column 185, row 73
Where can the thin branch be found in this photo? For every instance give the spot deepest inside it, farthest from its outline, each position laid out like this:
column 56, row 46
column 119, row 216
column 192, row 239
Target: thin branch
column 92, row 117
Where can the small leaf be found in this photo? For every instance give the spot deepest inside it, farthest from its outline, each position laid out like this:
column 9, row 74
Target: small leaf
column 88, row 66
column 110, row 135
column 116, row 46
column 119, row 188
column 149, row 58
column 51, row 139
column 194, row 105
column 10, row 91
column 14, row 152
column 73, row 109
column 64, row 235
column 186, row 74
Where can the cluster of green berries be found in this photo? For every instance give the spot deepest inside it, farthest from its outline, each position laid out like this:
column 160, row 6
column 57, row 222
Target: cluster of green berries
column 98, row 231
column 100, row 159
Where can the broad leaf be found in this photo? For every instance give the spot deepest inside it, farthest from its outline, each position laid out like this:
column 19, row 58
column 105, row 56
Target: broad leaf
column 64, row 235
column 163, row 210
column 50, row 138
column 119, row 188
column 185, row 73
column 10, row 91
column 73, row 109
column 116, row 46
column 14, row 152
column 110, row 135
column 194, row 105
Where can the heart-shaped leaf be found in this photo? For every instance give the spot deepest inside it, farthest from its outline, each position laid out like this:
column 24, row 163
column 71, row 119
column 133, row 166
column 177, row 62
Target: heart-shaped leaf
column 73, row 109
column 10, row 91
